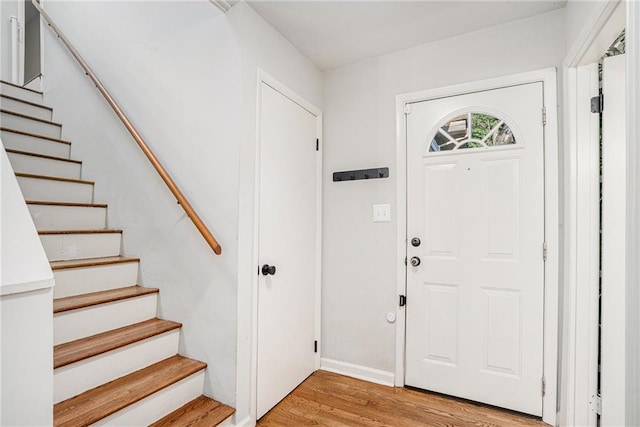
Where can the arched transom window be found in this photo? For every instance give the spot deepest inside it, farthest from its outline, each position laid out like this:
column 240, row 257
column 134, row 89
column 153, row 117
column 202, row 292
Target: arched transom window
column 472, row 130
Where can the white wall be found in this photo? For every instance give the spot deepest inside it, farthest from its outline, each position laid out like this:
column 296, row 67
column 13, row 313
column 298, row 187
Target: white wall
column 359, row 271
column 23, row 263
column 174, row 67
column 576, row 14
column 26, row 312
column 186, row 75
column 26, row 358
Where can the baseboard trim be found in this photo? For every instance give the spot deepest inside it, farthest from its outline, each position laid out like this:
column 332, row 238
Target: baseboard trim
column 246, row 422
column 357, row 371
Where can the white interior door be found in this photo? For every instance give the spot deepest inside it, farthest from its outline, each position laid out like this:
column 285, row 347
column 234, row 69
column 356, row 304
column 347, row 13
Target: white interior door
column 614, row 161
column 287, row 241
column 475, row 201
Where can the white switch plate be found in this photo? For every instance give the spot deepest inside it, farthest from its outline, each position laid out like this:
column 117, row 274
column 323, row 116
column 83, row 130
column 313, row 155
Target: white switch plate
column 381, row 213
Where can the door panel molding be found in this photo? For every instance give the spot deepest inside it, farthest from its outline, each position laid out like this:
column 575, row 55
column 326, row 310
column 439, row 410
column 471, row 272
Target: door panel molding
column 551, row 214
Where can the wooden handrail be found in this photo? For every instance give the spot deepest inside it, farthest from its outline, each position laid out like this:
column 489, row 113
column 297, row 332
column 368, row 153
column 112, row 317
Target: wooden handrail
column 182, row 200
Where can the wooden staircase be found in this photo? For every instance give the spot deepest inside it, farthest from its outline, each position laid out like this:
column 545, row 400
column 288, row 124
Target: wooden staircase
column 115, row 362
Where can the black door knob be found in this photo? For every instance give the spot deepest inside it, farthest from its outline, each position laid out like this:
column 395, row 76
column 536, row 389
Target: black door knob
column 415, row 242
column 268, row 269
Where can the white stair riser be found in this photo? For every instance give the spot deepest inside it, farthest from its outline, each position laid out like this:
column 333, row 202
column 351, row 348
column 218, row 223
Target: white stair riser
column 24, row 108
column 62, row 247
column 22, row 163
column 71, row 380
column 83, row 280
column 53, row 217
column 32, row 126
column 158, row 405
column 16, row 92
column 35, row 145
column 47, row 190
column 84, row 322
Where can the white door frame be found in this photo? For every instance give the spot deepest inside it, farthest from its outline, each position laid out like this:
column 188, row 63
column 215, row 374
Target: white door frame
column 633, row 214
column 265, row 78
column 579, row 362
column 548, row 78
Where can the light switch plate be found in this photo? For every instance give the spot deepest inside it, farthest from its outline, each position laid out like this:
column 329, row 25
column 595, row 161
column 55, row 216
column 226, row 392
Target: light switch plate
column 381, row 213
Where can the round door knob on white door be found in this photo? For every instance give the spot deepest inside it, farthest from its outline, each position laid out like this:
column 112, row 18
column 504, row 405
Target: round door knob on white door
column 415, row 261
column 268, row 269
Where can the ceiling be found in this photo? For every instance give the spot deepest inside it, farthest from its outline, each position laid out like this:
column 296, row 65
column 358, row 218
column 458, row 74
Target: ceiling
column 333, row 33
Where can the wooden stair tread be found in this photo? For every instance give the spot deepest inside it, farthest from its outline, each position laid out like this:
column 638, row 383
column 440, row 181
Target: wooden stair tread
column 35, row 135
column 69, row 204
column 42, row 156
column 28, row 117
column 90, row 262
column 74, row 302
column 53, row 178
column 200, row 412
column 35, row 104
column 84, row 348
column 20, row 87
column 97, row 231
column 100, row 402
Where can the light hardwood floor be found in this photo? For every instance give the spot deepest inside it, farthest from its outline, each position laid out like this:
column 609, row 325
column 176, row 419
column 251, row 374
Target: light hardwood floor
column 327, row 399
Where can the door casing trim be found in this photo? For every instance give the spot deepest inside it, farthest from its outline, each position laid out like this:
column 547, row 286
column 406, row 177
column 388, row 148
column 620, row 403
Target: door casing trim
column 551, row 217
column 265, row 78
column 581, row 214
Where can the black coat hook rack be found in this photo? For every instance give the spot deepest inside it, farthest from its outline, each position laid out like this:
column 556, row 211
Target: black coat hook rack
column 355, row 175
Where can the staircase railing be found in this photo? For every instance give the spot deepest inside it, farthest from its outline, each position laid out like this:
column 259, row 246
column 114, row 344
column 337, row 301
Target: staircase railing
column 182, row 200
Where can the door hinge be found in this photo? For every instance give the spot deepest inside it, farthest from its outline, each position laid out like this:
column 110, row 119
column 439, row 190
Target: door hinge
column 544, row 116
column 403, row 300
column 595, row 404
column 315, row 346
column 407, row 108
column 597, row 104
column 543, row 387
column 544, row 251
column 317, row 144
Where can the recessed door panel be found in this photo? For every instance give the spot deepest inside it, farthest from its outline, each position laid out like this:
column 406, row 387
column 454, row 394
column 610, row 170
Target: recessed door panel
column 441, row 219
column 502, row 212
column 502, row 339
column 442, row 323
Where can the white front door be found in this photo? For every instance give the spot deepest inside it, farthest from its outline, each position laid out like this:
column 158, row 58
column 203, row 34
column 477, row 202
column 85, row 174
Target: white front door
column 288, row 247
column 475, row 207
column 614, row 184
